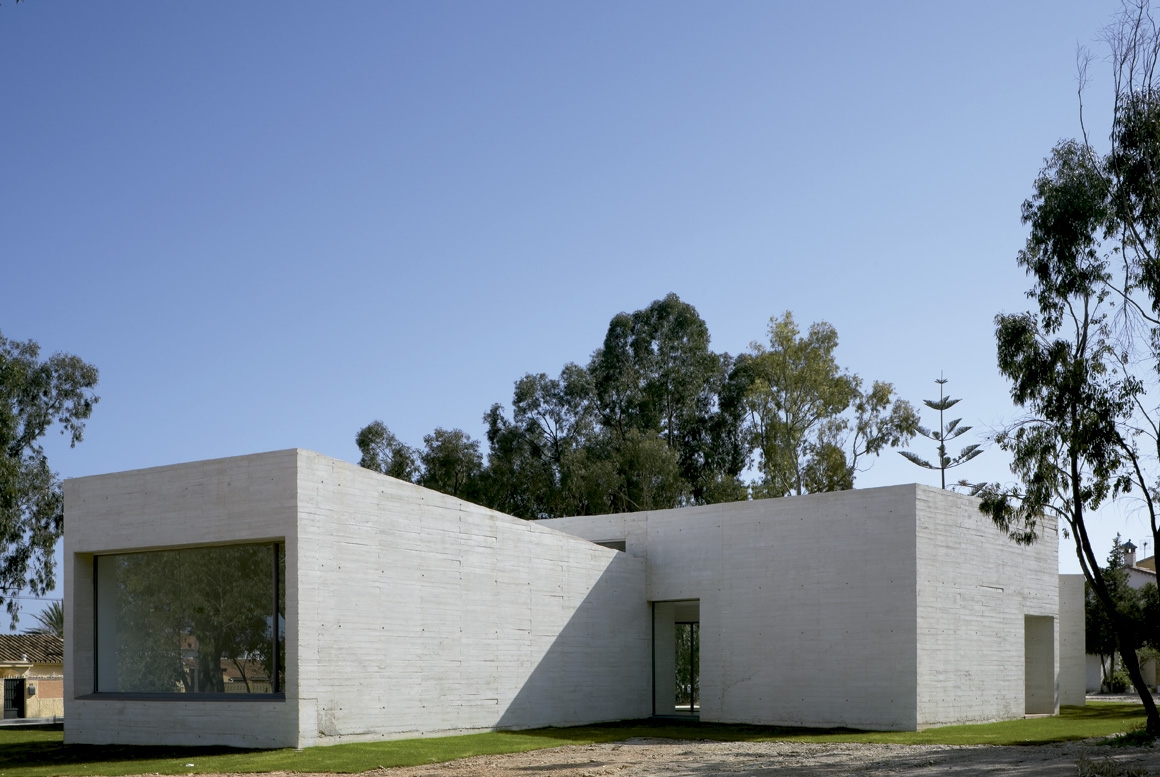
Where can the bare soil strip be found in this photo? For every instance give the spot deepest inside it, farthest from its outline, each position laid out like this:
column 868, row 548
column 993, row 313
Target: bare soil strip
column 670, row 758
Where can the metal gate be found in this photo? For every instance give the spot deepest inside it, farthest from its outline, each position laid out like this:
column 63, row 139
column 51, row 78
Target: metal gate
column 14, row 697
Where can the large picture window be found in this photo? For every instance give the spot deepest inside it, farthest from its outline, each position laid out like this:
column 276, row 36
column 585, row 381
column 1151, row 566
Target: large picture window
column 192, row 621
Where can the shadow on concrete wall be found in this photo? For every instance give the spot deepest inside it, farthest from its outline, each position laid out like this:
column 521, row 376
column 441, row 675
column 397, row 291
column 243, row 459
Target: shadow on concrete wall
column 598, row 666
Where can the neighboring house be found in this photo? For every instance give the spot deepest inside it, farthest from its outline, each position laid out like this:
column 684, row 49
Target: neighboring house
column 378, row 609
column 1140, row 573
column 32, row 667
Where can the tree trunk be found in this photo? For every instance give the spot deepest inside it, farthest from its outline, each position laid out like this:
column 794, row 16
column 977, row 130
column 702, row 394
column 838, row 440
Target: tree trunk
column 1127, row 648
column 1124, row 640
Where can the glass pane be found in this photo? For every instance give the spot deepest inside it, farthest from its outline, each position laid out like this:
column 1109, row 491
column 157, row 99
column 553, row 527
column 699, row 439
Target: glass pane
column 197, row 620
column 688, row 665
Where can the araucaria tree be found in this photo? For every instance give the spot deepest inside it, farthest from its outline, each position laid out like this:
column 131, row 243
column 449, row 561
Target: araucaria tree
column 1084, row 364
column 946, row 431
column 34, row 395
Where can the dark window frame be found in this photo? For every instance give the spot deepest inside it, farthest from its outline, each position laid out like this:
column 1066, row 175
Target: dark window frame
column 278, row 692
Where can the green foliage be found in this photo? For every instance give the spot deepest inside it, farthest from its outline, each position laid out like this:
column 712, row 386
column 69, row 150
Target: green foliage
column 1083, row 364
column 797, row 401
column 179, row 613
column 1068, row 451
column 656, row 377
column 451, row 463
column 1073, row 449
column 51, row 621
column 688, row 664
column 1132, row 608
column 1118, row 682
column 34, row 395
column 657, row 420
column 945, row 432
column 538, row 464
column 382, row 452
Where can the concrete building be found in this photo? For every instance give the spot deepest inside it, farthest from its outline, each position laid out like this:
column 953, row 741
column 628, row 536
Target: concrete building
column 1072, row 656
column 375, row 609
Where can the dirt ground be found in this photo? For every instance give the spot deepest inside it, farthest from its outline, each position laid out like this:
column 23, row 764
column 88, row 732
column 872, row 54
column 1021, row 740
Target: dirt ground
column 668, row 758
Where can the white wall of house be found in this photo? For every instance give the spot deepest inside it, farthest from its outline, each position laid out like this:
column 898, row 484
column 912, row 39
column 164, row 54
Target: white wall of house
column 455, row 616
column 884, row 608
column 412, row 613
column 223, row 501
column 408, row 612
column 975, row 590
column 1072, row 661
column 807, row 604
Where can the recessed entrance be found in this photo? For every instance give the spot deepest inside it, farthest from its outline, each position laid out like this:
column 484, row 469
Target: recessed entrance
column 1039, row 664
column 677, row 658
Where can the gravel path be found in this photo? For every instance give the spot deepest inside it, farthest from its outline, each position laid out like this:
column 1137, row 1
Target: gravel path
column 669, row 758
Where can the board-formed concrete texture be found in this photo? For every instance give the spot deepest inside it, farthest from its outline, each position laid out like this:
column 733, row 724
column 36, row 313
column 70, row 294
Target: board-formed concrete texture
column 411, row 613
column 408, row 612
column 882, row 608
column 1072, row 658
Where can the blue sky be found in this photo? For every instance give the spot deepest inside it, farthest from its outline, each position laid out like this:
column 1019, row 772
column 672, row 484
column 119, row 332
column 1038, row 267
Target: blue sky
column 271, row 223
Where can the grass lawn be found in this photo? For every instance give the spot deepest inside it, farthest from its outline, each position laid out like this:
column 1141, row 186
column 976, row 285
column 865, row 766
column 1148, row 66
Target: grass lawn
column 40, row 752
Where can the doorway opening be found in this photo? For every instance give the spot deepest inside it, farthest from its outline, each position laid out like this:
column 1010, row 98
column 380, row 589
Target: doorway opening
column 688, row 674
column 14, row 697
column 677, row 658
column 1039, row 665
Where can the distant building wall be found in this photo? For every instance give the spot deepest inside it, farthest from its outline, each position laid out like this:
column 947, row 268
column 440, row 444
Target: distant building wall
column 47, row 699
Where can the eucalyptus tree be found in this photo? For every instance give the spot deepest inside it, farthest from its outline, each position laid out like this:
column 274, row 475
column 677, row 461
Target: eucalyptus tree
column 452, row 463
column 656, row 376
column 535, row 459
column 808, row 420
column 945, row 432
column 383, row 452
column 449, row 461
column 1085, row 366
column 1073, row 450
column 35, row 395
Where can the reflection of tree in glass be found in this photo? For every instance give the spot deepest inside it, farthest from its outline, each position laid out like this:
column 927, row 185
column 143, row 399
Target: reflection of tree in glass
column 688, row 664
column 183, row 612
column 280, row 619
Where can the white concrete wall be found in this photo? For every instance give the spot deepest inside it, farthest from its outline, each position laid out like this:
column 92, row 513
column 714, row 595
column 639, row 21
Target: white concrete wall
column 223, row 501
column 456, row 617
column 899, row 607
column 408, row 612
column 807, row 604
column 1093, row 674
column 974, row 588
column 1072, row 661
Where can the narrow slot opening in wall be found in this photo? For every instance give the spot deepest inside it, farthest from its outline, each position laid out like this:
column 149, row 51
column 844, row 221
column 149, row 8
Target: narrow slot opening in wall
column 677, row 658
column 1039, row 664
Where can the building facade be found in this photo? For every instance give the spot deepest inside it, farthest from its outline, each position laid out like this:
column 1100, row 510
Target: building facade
column 289, row 599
